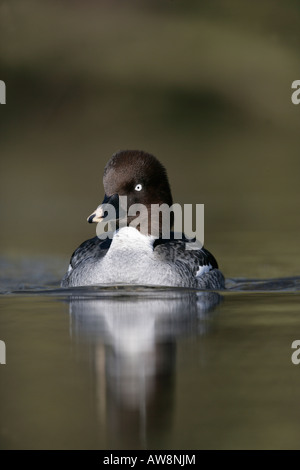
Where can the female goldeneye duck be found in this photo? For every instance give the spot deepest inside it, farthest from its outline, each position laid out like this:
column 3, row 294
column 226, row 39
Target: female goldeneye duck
column 134, row 255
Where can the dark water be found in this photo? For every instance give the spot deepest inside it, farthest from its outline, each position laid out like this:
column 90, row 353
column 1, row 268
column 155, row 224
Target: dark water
column 137, row 367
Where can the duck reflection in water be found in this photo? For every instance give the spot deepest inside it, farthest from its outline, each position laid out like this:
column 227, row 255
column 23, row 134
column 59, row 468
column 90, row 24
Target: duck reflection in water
column 132, row 334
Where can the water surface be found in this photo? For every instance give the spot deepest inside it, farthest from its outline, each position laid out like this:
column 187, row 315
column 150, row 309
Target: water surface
column 123, row 367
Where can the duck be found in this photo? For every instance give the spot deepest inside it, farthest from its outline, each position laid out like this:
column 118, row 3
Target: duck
column 139, row 253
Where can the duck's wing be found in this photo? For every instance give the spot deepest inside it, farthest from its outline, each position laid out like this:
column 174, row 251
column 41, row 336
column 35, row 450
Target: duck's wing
column 92, row 249
column 89, row 251
column 198, row 262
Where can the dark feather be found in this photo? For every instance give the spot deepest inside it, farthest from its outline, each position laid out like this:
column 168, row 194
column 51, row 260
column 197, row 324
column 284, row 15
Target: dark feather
column 92, row 248
column 175, row 250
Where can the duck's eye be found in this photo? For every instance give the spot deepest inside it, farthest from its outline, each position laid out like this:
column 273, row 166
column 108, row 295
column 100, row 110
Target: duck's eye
column 138, row 187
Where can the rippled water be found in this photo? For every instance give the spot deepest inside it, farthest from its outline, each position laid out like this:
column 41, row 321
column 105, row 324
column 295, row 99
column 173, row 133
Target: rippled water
column 138, row 367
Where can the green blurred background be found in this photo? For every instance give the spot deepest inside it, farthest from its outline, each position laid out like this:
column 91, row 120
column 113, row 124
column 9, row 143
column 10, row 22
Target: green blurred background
column 204, row 86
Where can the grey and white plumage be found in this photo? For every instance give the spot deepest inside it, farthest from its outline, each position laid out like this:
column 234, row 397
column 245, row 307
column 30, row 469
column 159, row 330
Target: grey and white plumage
column 132, row 257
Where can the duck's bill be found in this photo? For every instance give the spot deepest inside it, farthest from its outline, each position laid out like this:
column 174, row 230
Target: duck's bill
column 96, row 216
column 109, row 209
